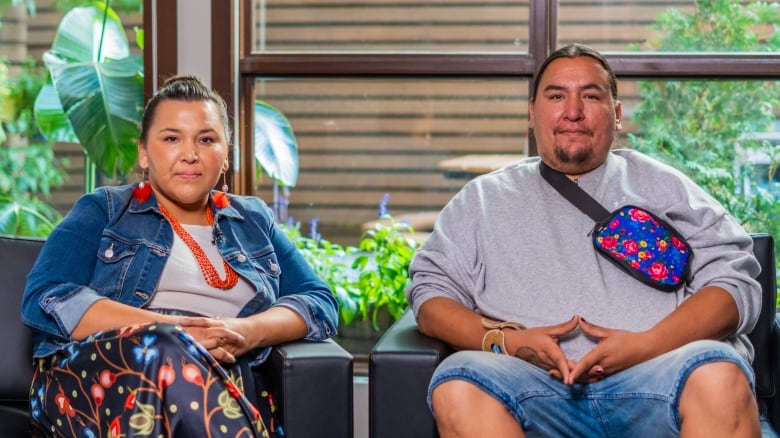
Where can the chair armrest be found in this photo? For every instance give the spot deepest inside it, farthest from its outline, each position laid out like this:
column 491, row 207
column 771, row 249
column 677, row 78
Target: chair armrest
column 400, row 368
column 774, row 400
column 312, row 382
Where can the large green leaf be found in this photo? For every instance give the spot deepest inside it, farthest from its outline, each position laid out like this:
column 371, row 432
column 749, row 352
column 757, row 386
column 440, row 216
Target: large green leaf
column 51, row 117
column 100, row 86
column 275, row 147
column 90, row 34
column 29, row 217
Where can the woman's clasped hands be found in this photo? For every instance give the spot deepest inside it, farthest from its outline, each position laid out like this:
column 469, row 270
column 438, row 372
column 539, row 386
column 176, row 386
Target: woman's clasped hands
column 222, row 338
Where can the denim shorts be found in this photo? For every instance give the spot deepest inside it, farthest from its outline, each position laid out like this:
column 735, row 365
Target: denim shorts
column 640, row 401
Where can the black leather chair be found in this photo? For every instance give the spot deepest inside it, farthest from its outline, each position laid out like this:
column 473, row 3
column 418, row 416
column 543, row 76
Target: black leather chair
column 402, row 362
column 312, row 380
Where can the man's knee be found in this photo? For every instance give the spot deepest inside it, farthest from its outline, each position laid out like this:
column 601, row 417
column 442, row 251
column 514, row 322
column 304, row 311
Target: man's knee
column 717, row 400
column 463, row 409
column 717, row 385
column 454, row 396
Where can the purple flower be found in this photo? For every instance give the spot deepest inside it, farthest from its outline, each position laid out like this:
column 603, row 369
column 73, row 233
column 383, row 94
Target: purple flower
column 383, row 205
column 313, row 229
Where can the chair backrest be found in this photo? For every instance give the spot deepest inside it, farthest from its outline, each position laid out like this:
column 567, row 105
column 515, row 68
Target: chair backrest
column 17, row 256
column 764, row 334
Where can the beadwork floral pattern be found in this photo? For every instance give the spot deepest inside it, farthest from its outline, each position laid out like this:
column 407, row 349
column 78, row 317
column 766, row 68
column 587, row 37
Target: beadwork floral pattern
column 639, row 242
column 146, row 380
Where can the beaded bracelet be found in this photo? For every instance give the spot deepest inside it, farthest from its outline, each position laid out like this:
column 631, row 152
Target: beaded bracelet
column 493, row 340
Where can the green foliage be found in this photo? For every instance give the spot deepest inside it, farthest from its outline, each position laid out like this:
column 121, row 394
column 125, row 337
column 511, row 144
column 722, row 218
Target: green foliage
column 330, row 262
column 718, row 25
column 711, row 130
column 95, row 98
column 384, row 267
column 367, row 278
column 99, row 88
column 117, row 5
column 276, row 150
column 28, row 216
column 28, row 167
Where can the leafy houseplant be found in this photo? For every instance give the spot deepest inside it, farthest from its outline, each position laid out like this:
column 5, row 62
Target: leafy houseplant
column 369, row 279
column 96, row 95
column 386, row 251
column 276, row 153
column 330, row 262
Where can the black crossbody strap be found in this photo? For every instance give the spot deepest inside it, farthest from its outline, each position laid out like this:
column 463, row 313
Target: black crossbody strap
column 573, row 193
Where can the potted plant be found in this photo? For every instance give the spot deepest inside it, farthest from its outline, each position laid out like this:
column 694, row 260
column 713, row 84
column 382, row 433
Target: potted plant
column 367, row 280
column 383, row 264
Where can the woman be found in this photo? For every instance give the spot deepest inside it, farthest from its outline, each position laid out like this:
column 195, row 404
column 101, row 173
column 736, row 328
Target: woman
column 151, row 304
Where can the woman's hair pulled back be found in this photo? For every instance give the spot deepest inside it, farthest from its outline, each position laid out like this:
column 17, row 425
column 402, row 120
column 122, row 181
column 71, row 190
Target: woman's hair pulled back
column 187, row 88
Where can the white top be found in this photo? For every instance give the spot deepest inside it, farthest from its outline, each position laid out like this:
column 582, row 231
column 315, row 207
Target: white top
column 183, row 287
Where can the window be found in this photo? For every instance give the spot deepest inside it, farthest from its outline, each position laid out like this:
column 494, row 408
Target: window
column 360, row 138
column 389, row 26
column 380, row 92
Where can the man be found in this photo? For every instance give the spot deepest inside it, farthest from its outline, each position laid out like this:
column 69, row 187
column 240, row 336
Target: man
column 586, row 349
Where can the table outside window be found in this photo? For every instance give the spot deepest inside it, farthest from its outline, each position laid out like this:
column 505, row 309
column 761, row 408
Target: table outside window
column 469, row 166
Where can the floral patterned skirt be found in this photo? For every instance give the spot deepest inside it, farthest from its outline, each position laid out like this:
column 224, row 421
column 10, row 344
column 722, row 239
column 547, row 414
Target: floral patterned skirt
column 147, row 380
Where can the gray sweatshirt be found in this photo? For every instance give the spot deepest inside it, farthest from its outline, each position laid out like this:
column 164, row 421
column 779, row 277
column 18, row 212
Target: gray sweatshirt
column 510, row 247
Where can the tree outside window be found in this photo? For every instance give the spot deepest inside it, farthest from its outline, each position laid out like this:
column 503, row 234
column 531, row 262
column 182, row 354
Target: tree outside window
column 718, row 132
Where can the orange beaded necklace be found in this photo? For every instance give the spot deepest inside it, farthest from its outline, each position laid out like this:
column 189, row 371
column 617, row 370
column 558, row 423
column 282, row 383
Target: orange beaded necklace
column 210, row 273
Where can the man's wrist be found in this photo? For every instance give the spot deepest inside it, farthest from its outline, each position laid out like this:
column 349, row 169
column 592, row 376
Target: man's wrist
column 494, row 339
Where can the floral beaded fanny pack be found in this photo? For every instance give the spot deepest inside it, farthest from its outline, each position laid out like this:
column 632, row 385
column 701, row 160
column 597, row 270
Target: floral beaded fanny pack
column 640, row 243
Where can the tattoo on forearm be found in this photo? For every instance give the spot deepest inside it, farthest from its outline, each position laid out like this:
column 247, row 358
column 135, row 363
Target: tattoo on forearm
column 527, row 354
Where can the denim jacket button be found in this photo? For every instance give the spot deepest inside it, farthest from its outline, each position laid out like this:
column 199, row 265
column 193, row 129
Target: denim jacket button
column 110, row 251
column 241, row 258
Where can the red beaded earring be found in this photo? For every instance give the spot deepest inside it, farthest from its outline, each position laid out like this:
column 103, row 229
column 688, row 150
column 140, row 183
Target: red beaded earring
column 143, row 190
column 221, row 199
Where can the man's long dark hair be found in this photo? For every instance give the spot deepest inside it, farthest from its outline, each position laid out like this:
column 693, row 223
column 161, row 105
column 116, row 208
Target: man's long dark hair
column 574, row 51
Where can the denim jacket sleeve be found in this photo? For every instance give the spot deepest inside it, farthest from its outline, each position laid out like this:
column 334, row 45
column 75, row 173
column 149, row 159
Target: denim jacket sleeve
column 249, row 230
column 55, row 296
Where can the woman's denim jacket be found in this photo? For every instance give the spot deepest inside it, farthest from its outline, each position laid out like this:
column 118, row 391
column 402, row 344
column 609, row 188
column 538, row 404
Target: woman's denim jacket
column 109, row 246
